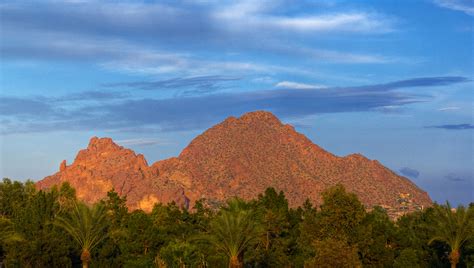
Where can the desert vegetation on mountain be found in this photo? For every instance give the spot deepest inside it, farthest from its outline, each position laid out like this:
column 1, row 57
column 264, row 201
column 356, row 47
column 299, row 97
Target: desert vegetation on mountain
column 238, row 157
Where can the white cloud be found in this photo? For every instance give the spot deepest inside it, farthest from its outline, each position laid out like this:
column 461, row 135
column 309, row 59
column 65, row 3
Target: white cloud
column 466, row 6
column 258, row 14
column 264, row 79
column 157, row 64
column 296, row 85
column 449, row 108
column 140, row 142
column 344, row 57
column 345, row 22
column 139, row 60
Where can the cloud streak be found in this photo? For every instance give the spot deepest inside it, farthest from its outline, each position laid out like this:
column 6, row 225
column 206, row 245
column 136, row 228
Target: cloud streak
column 465, row 6
column 347, row 22
column 454, row 177
column 453, row 126
column 140, row 142
column 421, row 82
column 197, row 112
column 93, row 95
column 449, row 108
column 199, row 84
column 409, row 172
column 296, row 85
column 259, row 15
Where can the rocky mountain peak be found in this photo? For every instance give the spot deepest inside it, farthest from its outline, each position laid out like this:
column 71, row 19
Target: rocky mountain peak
column 102, row 144
column 238, row 157
column 260, row 117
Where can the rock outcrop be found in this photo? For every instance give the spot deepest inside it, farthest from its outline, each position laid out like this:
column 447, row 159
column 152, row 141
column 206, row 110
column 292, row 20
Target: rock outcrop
column 104, row 165
column 238, row 157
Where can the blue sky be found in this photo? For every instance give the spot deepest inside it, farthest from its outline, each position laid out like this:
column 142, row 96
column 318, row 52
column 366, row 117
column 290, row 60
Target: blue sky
column 392, row 80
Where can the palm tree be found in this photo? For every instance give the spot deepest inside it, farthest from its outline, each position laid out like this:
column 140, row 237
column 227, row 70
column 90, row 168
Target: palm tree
column 7, row 231
column 453, row 227
column 86, row 226
column 233, row 231
column 7, row 235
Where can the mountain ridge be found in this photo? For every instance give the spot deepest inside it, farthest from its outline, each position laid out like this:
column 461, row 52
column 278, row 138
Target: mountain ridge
column 237, row 157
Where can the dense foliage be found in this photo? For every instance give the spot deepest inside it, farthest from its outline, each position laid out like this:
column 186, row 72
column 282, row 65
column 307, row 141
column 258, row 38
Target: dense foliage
column 54, row 229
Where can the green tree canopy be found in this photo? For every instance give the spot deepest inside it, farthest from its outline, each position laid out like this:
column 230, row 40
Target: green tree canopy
column 331, row 253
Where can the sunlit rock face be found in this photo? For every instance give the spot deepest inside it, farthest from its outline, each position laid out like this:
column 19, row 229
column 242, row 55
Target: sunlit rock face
column 103, row 166
column 238, row 157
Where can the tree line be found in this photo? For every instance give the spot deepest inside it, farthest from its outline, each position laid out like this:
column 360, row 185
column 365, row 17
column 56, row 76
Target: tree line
column 54, row 229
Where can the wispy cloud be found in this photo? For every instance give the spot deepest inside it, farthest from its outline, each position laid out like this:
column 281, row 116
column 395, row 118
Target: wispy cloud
column 197, row 112
column 296, row 85
column 466, row 6
column 407, row 83
column 454, row 177
column 141, row 142
column 201, row 83
column 346, row 22
column 409, row 172
column 126, row 57
column 449, row 108
column 454, row 126
column 423, row 82
column 259, row 15
column 347, row 57
column 193, row 65
column 390, row 109
column 93, row 95
column 329, row 55
column 155, row 38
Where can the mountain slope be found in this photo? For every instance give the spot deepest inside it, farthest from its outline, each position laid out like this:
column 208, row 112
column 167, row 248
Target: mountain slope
column 244, row 156
column 238, row 157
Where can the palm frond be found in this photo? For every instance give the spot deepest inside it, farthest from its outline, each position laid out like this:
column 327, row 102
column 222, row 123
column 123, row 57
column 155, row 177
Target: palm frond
column 452, row 226
column 234, row 229
column 85, row 225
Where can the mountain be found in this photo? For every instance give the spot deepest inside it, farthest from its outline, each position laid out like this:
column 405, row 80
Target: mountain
column 238, row 157
column 104, row 165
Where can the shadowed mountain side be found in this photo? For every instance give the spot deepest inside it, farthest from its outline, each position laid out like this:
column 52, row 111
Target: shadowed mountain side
column 238, row 157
